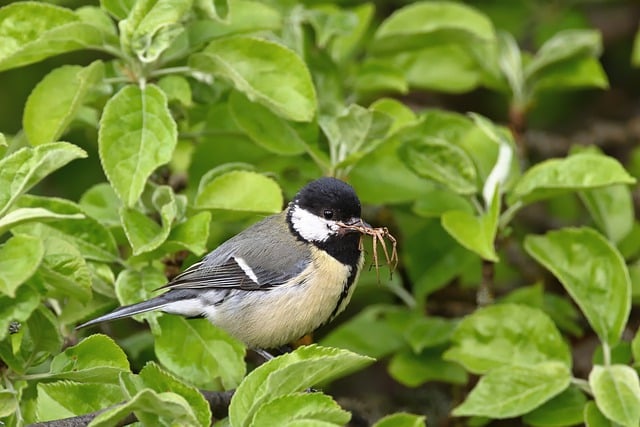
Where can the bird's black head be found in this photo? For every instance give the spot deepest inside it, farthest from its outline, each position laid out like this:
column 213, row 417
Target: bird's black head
column 329, row 198
column 316, row 212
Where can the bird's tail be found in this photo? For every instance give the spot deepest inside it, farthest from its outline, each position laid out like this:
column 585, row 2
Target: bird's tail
column 128, row 311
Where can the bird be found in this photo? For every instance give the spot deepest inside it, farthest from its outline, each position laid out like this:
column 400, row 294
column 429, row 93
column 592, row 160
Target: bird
column 277, row 280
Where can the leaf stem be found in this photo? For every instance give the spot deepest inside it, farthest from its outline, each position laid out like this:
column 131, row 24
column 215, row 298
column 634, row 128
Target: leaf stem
column 171, row 70
column 477, row 205
column 606, row 354
column 112, row 80
column 403, row 294
column 508, row 215
column 582, row 385
column 112, row 50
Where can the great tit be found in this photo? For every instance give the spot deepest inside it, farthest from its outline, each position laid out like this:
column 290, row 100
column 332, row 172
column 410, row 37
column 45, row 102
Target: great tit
column 279, row 279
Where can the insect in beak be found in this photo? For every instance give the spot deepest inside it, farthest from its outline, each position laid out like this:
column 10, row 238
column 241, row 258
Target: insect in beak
column 379, row 235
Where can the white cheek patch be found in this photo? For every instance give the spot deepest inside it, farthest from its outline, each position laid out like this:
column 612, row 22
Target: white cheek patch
column 247, row 270
column 311, row 227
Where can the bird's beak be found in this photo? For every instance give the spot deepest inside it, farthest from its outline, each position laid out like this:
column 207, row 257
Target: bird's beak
column 359, row 222
column 355, row 225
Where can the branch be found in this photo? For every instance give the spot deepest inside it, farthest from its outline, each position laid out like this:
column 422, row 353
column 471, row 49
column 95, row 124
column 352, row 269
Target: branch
column 218, row 402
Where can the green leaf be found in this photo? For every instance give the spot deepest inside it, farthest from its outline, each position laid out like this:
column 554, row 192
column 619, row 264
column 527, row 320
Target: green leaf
column 264, row 127
column 413, row 370
column 400, row 114
column 160, row 381
column 611, row 209
column 433, row 258
column 635, row 347
column 566, row 409
column 199, row 352
column 90, row 237
column 635, row 53
column 31, row 31
column 439, row 200
column 344, row 45
column 445, row 68
column 241, row 191
column 8, row 403
column 557, row 176
column 424, row 332
column 99, row 18
column 329, row 21
column 214, row 9
column 17, row 309
column 96, row 359
column 3, row 140
column 144, row 233
column 289, row 373
column 137, row 134
column 151, row 27
column 354, row 132
column 64, row 269
column 440, row 161
column 394, row 182
column 620, row 354
column 564, row 313
column 426, row 24
column 600, row 287
column 63, row 399
column 266, row 72
column 41, row 337
column 352, row 335
column 564, row 45
column 248, row 17
column 26, row 167
column 510, row 63
column 151, row 408
column 23, row 215
column 575, row 73
column 594, row 418
column 380, row 76
column 102, row 203
column 176, row 88
column 133, row 286
column 477, row 234
column 119, row 9
column 401, row 419
column 301, row 409
column 484, row 341
column 491, row 147
column 20, row 256
column 56, row 99
column 510, row 391
column 193, row 234
column 503, row 165
column 617, row 392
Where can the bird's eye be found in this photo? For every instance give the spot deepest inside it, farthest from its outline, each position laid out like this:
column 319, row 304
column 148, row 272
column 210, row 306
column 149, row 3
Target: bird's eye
column 327, row 213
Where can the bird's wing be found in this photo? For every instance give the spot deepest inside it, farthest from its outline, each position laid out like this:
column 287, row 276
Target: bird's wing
column 240, row 263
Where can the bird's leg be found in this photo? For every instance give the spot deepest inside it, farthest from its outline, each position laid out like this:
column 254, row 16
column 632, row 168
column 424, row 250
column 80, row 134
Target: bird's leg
column 263, row 353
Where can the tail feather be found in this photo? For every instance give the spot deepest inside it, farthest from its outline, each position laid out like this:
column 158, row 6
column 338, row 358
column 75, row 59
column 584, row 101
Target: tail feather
column 128, row 311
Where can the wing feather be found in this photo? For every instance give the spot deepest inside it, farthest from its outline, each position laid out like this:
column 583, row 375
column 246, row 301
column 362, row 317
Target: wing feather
column 239, row 262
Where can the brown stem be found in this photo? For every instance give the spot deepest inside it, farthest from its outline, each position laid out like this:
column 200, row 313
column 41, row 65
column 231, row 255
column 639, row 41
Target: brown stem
column 484, row 296
column 518, row 125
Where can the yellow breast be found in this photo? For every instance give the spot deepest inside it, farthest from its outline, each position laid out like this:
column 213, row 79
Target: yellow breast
column 274, row 317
